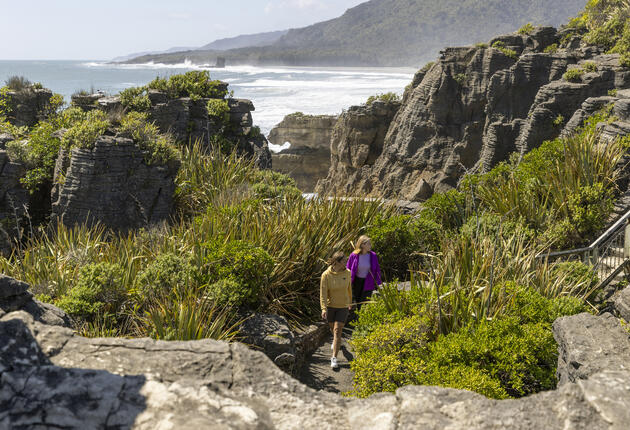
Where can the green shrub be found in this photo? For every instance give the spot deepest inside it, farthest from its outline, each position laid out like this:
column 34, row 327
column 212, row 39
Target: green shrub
column 589, row 66
column 446, row 209
column 135, row 99
column 558, row 121
column 527, row 29
column 551, row 49
column 18, row 83
column 385, row 97
column 219, row 110
column 249, row 266
column 520, row 357
column 271, row 185
column 623, row 46
column 229, row 292
column 489, row 224
column 389, row 357
column 159, row 148
column 399, row 239
column 589, row 207
column 43, row 149
column 508, row 52
column 195, row 84
column 168, row 275
column 99, row 289
column 613, row 92
column 460, row 78
column 481, row 45
column 461, row 377
column 83, row 134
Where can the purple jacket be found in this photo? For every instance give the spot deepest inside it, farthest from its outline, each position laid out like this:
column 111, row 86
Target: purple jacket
column 374, row 277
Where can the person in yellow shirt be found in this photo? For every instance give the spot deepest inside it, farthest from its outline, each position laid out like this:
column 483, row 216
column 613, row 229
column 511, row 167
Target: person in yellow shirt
column 335, row 296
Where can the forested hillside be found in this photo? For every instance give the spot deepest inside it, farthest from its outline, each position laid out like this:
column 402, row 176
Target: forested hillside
column 392, row 32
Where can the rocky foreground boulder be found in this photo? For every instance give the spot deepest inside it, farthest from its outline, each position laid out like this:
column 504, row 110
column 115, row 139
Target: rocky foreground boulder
column 473, row 108
column 308, row 158
column 52, row 378
column 112, row 184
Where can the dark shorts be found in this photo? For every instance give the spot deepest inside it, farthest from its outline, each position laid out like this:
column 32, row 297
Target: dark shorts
column 337, row 314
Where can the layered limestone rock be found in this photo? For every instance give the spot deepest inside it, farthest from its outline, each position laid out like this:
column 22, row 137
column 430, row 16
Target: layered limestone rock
column 356, row 144
column 112, row 184
column 308, row 158
column 474, row 107
column 187, row 121
column 15, row 296
column 14, row 200
column 28, row 106
column 52, row 378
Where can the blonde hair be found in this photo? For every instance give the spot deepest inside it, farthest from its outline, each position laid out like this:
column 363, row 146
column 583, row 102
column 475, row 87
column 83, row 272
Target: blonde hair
column 360, row 241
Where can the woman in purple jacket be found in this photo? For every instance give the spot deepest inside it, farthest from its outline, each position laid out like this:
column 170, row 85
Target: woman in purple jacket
column 365, row 270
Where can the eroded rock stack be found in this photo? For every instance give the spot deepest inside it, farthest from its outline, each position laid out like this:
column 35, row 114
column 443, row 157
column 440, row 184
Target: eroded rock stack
column 308, row 158
column 473, row 108
column 356, row 144
column 187, row 121
column 112, row 184
column 28, row 106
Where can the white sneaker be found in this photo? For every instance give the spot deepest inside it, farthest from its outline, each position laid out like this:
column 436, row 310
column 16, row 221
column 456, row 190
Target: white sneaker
column 333, row 363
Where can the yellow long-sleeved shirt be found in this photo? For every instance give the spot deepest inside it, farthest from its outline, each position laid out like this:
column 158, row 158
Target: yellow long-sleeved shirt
column 335, row 289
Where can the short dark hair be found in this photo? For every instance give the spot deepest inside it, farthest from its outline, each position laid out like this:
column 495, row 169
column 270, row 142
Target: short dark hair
column 336, row 257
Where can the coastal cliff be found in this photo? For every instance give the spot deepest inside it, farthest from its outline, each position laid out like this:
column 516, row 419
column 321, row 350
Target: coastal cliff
column 476, row 106
column 308, row 158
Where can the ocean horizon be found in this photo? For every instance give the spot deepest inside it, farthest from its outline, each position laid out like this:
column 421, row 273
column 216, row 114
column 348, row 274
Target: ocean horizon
column 275, row 91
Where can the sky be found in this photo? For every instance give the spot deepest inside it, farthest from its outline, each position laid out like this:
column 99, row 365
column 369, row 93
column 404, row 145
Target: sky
column 103, row 29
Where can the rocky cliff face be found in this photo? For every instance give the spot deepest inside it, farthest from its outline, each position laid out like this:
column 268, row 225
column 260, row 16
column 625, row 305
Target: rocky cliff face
column 474, row 107
column 14, row 200
column 308, row 158
column 187, row 121
column 112, row 184
column 357, row 142
column 28, row 106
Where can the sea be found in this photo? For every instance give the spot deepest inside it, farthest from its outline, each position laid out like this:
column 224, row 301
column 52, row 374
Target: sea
column 275, row 91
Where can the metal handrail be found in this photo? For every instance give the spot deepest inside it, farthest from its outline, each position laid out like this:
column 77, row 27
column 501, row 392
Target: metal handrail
column 603, row 252
column 613, row 229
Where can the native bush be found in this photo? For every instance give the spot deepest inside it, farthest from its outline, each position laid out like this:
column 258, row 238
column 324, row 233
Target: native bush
column 551, row 49
column 18, row 83
column 399, row 240
column 247, row 265
column 99, row 289
column 383, row 97
column 507, row 51
column 512, row 355
column 135, row 99
column 219, row 110
column 195, row 84
column 589, row 66
column 447, row 209
column 169, row 275
column 270, row 185
column 527, row 29
column 573, row 75
column 159, row 148
column 83, row 133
